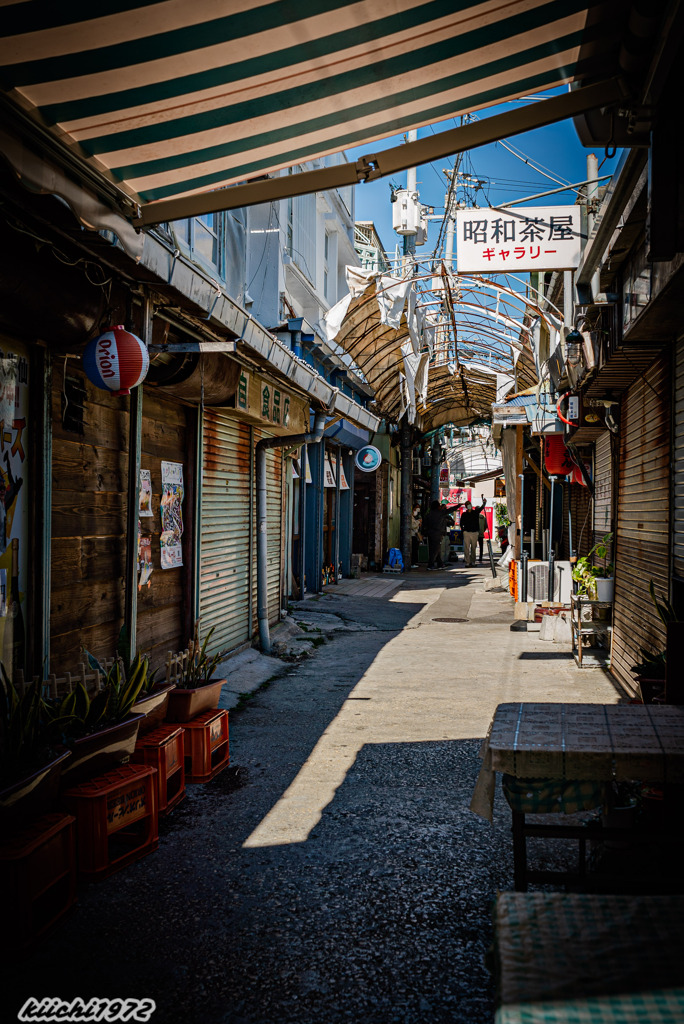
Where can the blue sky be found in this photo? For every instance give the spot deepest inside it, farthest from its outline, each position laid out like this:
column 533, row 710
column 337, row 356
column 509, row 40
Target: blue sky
column 555, row 148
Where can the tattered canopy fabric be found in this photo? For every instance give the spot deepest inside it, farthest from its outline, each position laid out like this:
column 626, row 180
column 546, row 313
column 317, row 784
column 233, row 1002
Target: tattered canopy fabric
column 172, row 98
column 391, row 343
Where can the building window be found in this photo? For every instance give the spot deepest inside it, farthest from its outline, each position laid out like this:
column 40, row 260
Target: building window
column 203, row 239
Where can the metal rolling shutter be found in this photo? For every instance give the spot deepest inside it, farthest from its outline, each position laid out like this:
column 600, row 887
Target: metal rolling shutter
column 224, row 552
column 678, row 463
column 643, row 520
column 274, row 528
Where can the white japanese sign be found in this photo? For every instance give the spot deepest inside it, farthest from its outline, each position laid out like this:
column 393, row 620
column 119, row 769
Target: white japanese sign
column 508, row 241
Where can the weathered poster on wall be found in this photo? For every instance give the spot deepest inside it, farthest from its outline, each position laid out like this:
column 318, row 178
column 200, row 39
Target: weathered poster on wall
column 329, row 473
column 14, row 547
column 145, row 501
column 171, row 551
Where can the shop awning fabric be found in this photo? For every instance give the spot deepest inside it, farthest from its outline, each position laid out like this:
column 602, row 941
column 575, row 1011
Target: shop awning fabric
column 173, row 99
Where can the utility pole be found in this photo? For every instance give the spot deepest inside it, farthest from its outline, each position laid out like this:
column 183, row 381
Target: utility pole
column 592, row 204
column 410, row 240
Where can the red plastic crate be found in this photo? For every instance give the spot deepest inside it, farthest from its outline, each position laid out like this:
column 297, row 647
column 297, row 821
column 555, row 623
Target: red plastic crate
column 164, row 749
column 116, row 819
column 38, row 879
column 206, row 746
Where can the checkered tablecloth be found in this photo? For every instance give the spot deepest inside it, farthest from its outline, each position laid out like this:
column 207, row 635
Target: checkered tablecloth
column 552, row 796
column 662, row 1007
column 589, row 959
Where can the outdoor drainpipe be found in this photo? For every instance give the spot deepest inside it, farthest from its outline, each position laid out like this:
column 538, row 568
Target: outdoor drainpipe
column 289, row 441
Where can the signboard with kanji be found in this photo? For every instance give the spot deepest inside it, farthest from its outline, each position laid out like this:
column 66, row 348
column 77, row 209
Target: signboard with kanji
column 512, row 240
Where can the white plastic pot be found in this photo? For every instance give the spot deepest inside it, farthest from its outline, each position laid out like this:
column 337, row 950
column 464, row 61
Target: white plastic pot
column 604, row 588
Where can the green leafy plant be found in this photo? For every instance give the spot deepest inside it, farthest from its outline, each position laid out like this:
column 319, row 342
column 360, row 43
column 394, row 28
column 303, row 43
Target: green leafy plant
column 23, row 743
column 585, row 573
column 200, row 667
column 79, row 714
column 501, row 513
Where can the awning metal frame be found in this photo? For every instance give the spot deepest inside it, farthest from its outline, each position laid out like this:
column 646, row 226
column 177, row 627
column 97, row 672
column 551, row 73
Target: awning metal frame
column 378, row 165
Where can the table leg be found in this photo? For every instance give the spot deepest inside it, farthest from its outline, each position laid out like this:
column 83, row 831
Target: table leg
column 519, row 852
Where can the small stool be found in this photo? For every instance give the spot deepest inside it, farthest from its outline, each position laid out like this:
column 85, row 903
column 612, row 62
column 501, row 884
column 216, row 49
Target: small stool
column 206, row 746
column 163, row 749
column 38, row 871
column 116, row 819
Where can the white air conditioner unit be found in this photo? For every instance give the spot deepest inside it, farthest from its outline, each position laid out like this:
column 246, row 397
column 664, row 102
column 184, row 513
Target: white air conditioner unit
column 538, row 582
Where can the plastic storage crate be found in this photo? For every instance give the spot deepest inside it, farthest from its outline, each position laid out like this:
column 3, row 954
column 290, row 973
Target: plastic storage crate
column 116, row 819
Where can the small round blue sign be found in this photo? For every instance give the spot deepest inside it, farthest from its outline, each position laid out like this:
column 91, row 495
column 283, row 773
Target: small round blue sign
column 368, row 458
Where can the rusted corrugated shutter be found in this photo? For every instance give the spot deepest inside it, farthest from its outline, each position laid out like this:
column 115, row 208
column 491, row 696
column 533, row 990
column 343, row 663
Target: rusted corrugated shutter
column 225, row 547
column 643, row 520
column 678, row 463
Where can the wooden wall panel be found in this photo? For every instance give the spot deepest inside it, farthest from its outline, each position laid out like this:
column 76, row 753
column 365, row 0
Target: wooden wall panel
column 90, row 479
column 88, row 525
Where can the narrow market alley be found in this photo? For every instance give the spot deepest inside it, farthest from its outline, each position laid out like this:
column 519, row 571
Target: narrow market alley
column 335, row 872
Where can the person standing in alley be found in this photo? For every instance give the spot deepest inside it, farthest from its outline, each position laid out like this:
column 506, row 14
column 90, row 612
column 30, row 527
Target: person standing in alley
column 470, row 525
column 434, row 526
column 483, row 526
column 416, row 536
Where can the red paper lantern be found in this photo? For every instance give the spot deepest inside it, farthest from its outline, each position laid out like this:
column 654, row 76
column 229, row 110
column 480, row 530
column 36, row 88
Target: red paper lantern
column 116, row 361
column 556, row 456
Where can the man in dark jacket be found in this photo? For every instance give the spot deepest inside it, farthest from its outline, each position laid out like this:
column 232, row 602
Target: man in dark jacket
column 434, row 525
column 470, row 525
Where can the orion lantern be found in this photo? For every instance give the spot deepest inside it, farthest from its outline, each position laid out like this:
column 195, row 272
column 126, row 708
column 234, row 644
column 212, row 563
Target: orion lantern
column 116, row 361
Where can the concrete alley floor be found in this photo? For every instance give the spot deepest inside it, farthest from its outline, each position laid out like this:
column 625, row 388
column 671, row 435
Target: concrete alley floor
column 335, row 872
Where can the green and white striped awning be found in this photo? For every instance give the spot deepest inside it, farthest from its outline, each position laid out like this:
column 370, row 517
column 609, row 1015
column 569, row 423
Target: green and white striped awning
column 173, row 98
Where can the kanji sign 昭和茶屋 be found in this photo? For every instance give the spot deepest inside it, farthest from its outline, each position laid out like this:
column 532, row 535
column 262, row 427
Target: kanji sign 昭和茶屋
column 507, row 241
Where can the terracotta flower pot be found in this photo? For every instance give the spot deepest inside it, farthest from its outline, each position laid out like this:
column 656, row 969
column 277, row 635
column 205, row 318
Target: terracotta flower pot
column 101, row 751
column 185, row 705
column 33, row 795
column 153, row 706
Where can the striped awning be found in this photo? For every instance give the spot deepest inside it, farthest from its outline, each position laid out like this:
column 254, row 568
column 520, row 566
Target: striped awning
column 173, row 98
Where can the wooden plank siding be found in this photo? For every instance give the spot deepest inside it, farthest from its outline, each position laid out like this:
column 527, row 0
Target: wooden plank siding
column 643, row 520
column 90, row 479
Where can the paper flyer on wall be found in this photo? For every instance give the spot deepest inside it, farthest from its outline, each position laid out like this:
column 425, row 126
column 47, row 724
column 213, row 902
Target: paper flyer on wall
column 144, row 557
column 171, row 552
column 145, row 500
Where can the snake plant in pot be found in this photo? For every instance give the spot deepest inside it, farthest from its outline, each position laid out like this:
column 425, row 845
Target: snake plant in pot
column 30, row 764
column 650, row 669
column 195, row 691
column 100, row 728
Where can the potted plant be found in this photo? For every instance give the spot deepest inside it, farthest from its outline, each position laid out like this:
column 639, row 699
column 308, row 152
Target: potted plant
column 502, row 523
column 596, row 581
column 30, row 766
column 153, row 699
column 99, row 729
column 650, row 670
column 195, row 690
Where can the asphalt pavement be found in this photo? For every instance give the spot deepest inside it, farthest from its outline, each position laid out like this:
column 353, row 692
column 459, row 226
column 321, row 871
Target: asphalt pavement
column 334, row 873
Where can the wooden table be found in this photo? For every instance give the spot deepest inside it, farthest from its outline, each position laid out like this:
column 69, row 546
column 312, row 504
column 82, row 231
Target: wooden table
column 593, row 742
